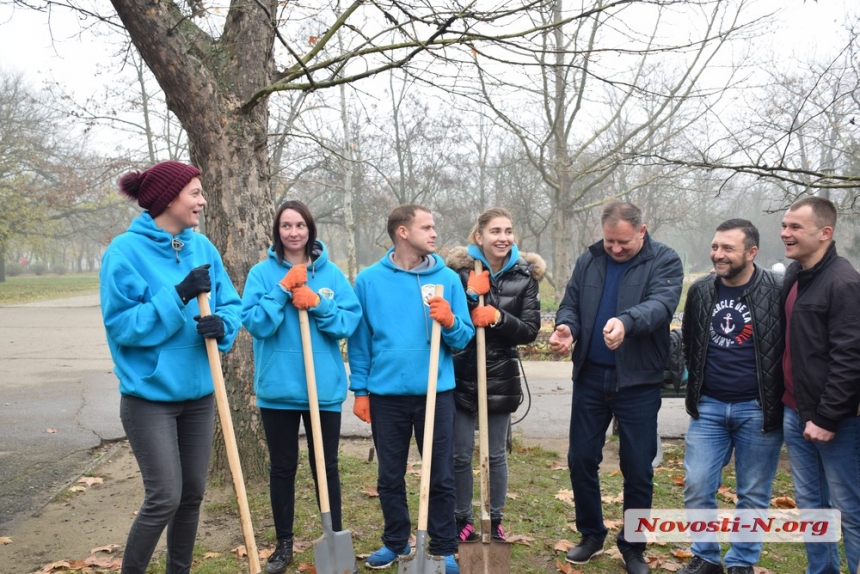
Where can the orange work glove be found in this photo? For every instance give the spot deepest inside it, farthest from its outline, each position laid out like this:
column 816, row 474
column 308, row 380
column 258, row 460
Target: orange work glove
column 296, row 276
column 305, row 298
column 479, row 284
column 440, row 311
column 361, row 408
column 485, row 316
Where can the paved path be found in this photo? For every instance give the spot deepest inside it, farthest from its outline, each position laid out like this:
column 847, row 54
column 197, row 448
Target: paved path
column 59, row 400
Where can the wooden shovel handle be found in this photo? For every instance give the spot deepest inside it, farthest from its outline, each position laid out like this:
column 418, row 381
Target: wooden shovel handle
column 313, row 402
column 483, row 421
column 429, row 420
column 230, row 441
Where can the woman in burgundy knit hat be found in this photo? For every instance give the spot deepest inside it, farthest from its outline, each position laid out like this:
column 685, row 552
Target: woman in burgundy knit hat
column 150, row 278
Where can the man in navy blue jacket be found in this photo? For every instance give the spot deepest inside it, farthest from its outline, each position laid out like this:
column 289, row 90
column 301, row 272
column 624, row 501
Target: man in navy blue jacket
column 617, row 309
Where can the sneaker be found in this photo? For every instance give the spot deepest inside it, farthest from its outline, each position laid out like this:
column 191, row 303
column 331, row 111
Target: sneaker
column 587, row 549
column 741, row 570
column 282, row 556
column 634, row 562
column 451, row 566
column 383, row 558
column 701, row 566
column 466, row 530
column 498, row 531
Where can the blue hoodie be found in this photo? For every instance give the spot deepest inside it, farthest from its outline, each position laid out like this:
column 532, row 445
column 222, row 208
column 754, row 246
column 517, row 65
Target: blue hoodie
column 389, row 353
column 157, row 353
column 273, row 321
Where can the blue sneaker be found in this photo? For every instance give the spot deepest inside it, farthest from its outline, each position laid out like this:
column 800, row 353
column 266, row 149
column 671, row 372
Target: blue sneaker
column 383, row 558
column 451, row 566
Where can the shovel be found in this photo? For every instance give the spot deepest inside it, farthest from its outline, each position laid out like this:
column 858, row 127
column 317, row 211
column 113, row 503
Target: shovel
column 422, row 562
column 484, row 556
column 333, row 553
column 230, row 442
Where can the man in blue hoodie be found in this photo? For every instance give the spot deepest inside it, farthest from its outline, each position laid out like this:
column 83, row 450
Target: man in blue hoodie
column 389, row 356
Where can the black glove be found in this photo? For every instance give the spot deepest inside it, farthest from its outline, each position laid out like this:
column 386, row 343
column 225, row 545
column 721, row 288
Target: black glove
column 210, row 326
column 196, row 282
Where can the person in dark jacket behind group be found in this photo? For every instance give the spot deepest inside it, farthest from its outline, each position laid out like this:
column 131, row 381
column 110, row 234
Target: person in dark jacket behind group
column 822, row 376
column 733, row 350
column 511, row 313
column 617, row 309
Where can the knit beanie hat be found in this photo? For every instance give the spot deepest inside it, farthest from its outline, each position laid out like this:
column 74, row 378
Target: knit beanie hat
column 155, row 187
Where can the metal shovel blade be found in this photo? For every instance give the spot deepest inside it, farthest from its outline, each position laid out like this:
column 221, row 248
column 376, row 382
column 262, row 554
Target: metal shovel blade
column 479, row 557
column 422, row 562
column 333, row 553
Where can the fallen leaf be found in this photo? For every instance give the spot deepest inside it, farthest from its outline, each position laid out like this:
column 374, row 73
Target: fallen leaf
column 265, row 553
column 78, row 489
column 305, row 567
column 566, row 568
column 572, row 526
column 784, row 502
column 679, row 480
column 563, row 545
column 520, row 539
column 208, row 555
column 557, row 466
column 566, row 496
column 90, row 480
column 613, row 499
column 513, row 495
column 370, row 492
column 682, row 553
column 615, row 472
column 671, row 566
column 110, row 562
column 300, row 546
column 59, row 565
column 727, row 494
column 51, row 431
column 612, row 524
column 5, row 540
column 240, row 551
column 108, row 548
column 762, row 570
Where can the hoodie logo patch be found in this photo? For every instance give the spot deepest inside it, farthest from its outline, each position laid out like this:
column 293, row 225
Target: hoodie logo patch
column 427, row 293
column 326, row 293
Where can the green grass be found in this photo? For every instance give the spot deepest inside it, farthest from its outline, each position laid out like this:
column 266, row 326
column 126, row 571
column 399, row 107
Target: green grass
column 533, row 512
column 29, row 288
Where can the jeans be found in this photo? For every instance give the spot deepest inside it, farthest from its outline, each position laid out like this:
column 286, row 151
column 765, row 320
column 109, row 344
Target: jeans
column 827, row 475
column 710, row 440
column 393, row 421
column 282, row 438
column 596, row 399
column 172, row 442
column 464, row 450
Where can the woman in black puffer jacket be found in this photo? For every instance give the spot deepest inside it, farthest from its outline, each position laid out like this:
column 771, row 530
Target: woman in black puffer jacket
column 511, row 315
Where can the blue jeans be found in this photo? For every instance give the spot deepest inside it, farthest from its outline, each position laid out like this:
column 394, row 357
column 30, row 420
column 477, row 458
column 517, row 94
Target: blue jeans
column 172, row 443
column 827, row 475
column 710, row 440
column 282, row 438
column 596, row 399
column 464, row 451
column 394, row 420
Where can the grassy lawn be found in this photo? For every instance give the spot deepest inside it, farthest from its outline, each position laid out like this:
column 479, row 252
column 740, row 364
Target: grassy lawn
column 539, row 517
column 29, row 288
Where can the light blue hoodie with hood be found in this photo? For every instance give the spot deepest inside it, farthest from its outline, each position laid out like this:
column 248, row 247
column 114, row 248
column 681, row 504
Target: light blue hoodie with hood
column 269, row 315
column 158, row 354
column 389, row 353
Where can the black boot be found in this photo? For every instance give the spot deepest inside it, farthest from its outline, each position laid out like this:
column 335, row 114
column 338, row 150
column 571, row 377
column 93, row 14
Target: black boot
column 282, row 556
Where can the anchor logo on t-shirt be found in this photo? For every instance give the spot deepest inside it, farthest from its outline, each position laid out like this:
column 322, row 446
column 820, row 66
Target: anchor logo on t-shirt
column 727, row 324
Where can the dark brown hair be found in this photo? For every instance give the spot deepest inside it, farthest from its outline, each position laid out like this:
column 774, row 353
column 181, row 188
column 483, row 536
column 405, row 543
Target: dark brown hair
column 302, row 210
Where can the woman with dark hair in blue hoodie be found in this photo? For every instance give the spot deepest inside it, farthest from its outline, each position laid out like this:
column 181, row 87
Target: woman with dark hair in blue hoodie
column 150, row 278
column 297, row 274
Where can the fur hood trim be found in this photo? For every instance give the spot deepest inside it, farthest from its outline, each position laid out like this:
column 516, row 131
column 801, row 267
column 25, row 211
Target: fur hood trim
column 459, row 258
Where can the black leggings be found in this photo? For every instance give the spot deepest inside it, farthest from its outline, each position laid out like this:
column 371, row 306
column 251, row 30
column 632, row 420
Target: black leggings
column 282, row 436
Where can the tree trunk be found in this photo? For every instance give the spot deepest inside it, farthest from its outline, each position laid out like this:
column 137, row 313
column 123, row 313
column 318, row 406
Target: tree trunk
column 205, row 82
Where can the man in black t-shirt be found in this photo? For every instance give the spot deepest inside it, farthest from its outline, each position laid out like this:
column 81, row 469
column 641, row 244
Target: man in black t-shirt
column 732, row 347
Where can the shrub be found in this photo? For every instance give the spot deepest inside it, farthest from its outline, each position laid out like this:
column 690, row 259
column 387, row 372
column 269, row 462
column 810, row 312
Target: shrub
column 13, row 269
column 39, row 268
